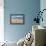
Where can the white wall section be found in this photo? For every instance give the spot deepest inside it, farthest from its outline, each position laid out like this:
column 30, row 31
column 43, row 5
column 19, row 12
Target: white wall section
column 1, row 20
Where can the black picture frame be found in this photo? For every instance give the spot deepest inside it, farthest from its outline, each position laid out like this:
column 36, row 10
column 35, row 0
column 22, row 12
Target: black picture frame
column 17, row 19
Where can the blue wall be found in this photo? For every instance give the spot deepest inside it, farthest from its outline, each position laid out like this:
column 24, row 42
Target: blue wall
column 26, row 7
column 43, row 6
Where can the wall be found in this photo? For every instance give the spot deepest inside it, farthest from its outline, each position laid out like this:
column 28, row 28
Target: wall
column 43, row 6
column 26, row 7
column 1, row 20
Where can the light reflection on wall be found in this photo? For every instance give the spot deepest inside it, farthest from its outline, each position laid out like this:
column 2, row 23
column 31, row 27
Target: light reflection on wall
column 1, row 20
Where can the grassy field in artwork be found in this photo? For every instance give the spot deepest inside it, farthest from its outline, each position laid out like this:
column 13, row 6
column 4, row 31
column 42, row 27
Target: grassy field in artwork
column 17, row 21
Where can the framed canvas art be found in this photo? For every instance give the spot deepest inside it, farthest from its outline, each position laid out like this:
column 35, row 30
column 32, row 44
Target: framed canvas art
column 17, row 19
